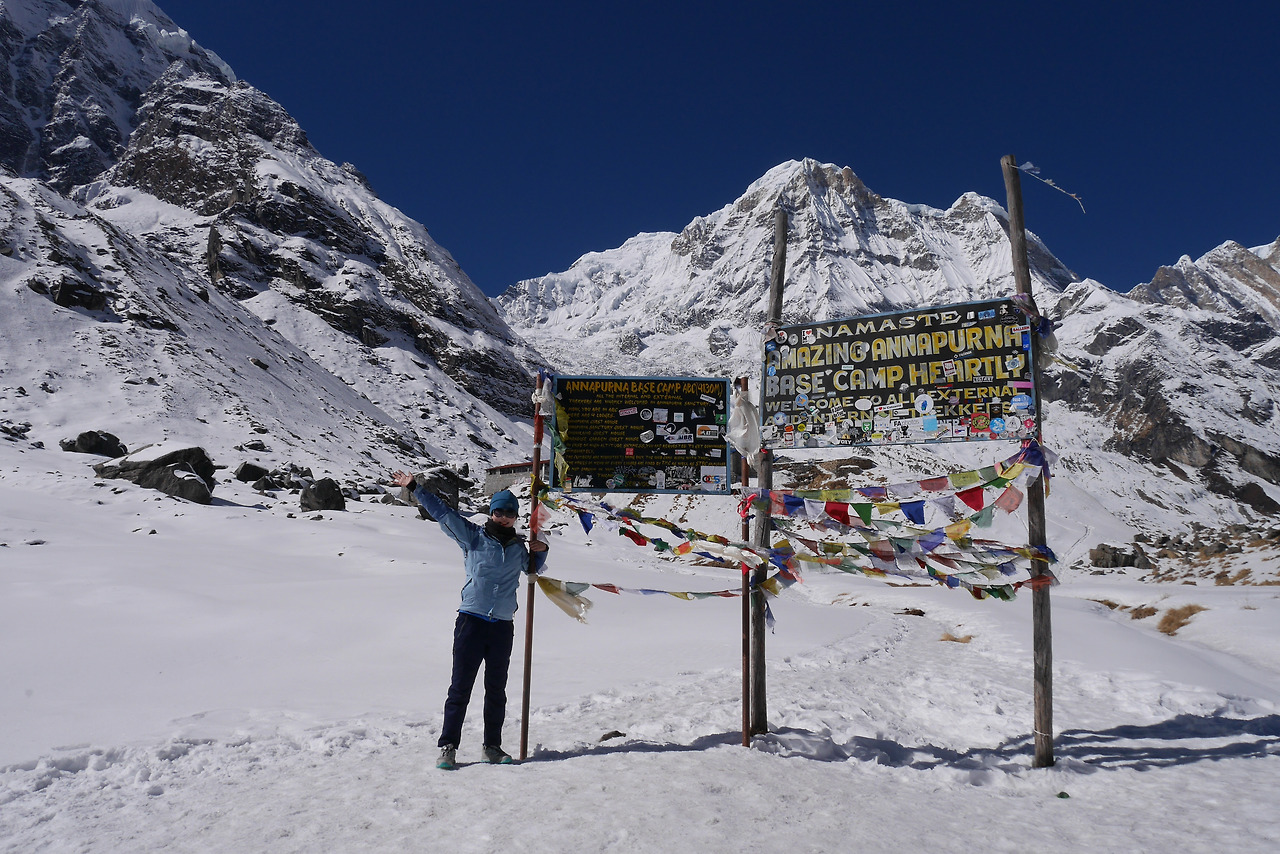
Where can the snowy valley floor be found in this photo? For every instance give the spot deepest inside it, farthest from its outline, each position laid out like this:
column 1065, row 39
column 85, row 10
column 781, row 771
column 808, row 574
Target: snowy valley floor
column 248, row 677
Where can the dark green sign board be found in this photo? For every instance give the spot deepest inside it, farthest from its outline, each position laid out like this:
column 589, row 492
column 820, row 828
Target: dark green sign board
column 640, row 434
column 957, row 373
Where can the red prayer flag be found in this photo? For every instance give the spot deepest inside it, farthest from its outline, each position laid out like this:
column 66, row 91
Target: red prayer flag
column 634, row 537
column 973, row 497
column 1009, row 500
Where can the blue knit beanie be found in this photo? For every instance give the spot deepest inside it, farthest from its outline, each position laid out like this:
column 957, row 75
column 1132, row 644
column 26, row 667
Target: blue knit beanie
column 504, row 500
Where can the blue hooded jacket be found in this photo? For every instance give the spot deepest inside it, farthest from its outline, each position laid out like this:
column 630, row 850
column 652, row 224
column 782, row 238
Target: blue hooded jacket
column 493, row 569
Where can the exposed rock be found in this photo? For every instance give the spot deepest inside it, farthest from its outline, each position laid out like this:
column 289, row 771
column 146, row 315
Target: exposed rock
column 1256, row 497
column 1111, row 557
column 292, row 476
column 248, row 472
column 69, row 100
column 324, row 494
column 70, row 293
column 195, row 146
column 1251, row 459
column 370, row 336
column 14, row 432
column 441, row 480
column 98, row 442
column 183, row 473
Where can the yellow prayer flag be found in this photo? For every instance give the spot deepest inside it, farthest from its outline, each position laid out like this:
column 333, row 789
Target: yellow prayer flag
column 574, row 605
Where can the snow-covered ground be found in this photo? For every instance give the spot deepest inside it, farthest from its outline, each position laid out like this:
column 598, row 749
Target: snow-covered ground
column 249, row 677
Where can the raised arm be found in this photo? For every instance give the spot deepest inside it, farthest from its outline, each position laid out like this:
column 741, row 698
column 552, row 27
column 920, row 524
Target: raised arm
column 460, row 530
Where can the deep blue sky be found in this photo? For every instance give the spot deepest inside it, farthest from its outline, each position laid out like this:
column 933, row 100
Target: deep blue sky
column 524, row 135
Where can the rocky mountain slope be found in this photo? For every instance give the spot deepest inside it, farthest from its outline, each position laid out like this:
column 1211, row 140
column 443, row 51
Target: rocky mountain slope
column 100, row 332
column 73, row 78
column 155, row 145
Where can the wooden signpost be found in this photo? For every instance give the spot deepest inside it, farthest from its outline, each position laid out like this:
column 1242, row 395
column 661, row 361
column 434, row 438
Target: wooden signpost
column 741, row 384
column 759, row 714
column 1041, row 631
column 533, row 531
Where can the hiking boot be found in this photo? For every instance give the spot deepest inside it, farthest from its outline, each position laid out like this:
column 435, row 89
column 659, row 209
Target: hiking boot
column 495, row 755
column 448, row 758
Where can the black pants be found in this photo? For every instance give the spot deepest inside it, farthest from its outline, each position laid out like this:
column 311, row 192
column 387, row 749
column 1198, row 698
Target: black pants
column 475, row 642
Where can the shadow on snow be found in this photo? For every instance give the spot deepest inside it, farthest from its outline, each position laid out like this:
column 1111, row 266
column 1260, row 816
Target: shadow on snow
column 1181, row 740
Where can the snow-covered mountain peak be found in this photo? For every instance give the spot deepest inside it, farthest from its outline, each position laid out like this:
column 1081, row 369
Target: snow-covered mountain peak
column 695, row 300
column 1229, row 278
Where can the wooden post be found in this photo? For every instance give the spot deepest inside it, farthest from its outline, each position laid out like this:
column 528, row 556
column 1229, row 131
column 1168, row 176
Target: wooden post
column 764, row 477
column 746, row 602
column 1041, row 631
column 532, row 582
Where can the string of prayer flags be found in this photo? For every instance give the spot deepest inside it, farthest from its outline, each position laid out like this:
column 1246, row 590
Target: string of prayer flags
column 1010, row 499
column 836, row 515
column 884, row 551
column 1031, row 460
column 944, row 553
column 906, row 559
column 567, row 595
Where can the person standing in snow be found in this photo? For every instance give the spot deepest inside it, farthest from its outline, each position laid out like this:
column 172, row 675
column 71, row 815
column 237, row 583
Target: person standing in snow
column 494, row 554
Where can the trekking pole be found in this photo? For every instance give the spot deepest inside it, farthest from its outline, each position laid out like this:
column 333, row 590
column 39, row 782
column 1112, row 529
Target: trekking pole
column 533, row 533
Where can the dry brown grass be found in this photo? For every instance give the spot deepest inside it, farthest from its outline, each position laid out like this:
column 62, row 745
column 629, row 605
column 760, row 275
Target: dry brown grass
column 1224, row 578
column 1109, row 604
column 1143, row 612
column 1176, row 618
column 716, row 564
column 947, row 636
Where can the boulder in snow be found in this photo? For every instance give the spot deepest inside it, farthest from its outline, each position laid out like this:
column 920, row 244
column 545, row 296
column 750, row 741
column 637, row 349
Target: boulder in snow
column 324, row 494
column 98, row 442
column 181, row 472
column 248, row 472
